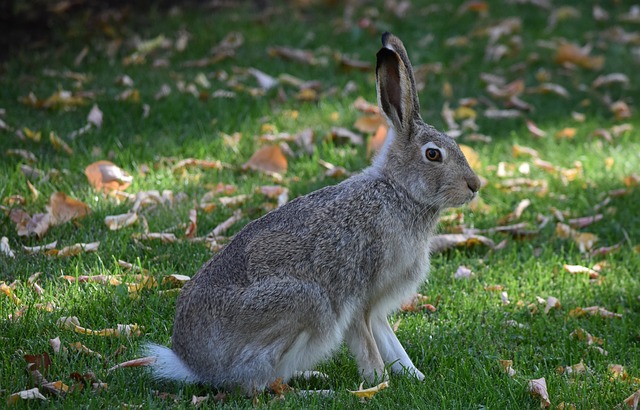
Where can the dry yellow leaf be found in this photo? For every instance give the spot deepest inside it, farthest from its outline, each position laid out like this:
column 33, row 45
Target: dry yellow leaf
column 370, row 392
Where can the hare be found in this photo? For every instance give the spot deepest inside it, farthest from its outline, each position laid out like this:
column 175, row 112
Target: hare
column 326, row 267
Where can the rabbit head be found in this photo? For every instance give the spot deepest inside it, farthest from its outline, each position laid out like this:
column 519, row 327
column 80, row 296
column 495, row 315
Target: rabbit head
column 428, row 163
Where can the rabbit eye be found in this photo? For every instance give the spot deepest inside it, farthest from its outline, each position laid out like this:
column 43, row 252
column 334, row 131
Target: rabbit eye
column 433, row 154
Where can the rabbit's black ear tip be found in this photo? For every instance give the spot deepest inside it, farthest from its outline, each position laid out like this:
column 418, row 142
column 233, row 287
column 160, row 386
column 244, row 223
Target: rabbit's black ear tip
column 385, row 38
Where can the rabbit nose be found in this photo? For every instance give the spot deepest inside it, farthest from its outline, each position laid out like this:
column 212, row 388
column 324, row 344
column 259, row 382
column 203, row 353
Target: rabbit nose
column 473, row 183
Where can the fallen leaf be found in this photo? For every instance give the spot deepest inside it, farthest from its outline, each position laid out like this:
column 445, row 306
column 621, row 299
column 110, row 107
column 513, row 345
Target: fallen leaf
column 605, row 80
column 443, row 242
column 369, row 123
column 72, row 323
column 471, row 155
column 25, row 395
column 199, row 163
column 63, row 208
column 268, row 159
column 506, row 366
column 192, row 226
column 575, row 269
column 370, row 392
column 463, row 273
column 153, row 236
column 572, row 54
column 376, row 141
column 59, row 144
column 143, row 361
column 535, row 130
column 38, row 361
column 106, row 176
column 566, row 133
column 593, row 311
column 552, row 303
column 538, row 388
column 115, row 222
column 56, row 345
column 8, row 291
column 632, row 401
column 176, row 280
column 79, row 347
column 343, row 135
column 24, row 154
column 95, row 116
column 75, row 249
column 224, row 226
column 585, row 336
column 5, row 248
column 302, row 56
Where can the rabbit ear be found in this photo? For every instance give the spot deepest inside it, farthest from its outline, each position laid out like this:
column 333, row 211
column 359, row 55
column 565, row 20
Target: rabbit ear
column 396, row 86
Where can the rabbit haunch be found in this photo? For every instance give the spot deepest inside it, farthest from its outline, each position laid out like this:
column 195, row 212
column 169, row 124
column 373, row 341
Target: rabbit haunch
column 327, row 267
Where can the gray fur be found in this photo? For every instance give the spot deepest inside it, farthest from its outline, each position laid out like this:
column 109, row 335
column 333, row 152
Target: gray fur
column 325, row 268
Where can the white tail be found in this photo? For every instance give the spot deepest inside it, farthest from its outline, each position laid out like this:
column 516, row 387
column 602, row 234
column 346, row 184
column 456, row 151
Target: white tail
column 168, row 366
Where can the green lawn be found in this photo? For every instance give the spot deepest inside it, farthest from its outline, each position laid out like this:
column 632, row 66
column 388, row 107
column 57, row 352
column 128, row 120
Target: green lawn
column 454, row 47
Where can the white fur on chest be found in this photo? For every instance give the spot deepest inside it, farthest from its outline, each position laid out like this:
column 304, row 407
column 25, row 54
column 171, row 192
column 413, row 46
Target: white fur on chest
column 400, row 278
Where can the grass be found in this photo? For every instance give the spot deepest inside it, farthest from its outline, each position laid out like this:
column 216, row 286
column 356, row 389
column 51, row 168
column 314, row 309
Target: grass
column 458, row 346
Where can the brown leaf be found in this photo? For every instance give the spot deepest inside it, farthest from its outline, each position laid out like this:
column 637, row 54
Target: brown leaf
column 199, row 163
column 376, row 142
column 343, row 135
column 593, row 311
column 192, row 226
column 302, row 56
column 162, row 237
column 369, row 123
column 538, row 388
column 632, row 401
column 63, row 208
column 38, row 361
column 268, row 159
column 115, row 222
column 75, row 249
column 534, row 130
column 572, row 54
column 106, row 176
column 441, row 243
column 143, row 361
column 176, row 280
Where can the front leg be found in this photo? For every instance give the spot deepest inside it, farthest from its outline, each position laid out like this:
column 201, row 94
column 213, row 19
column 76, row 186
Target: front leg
column 390, row 348
column 362, row 344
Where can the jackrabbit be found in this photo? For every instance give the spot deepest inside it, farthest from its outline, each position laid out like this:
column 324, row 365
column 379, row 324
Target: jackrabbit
column 326, row 267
